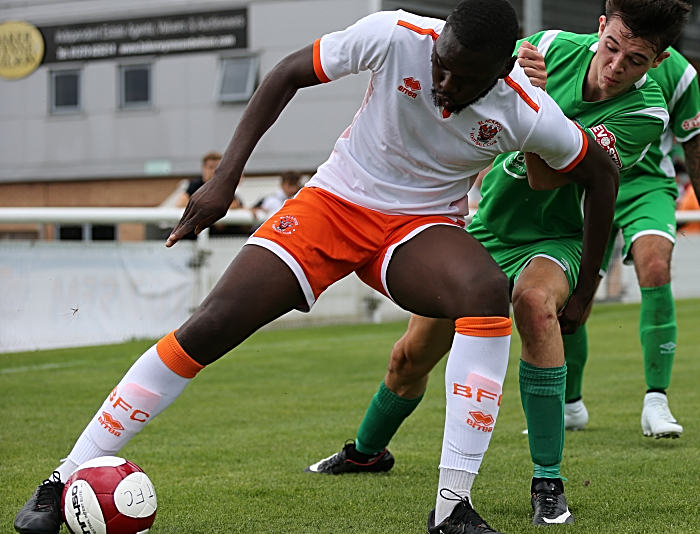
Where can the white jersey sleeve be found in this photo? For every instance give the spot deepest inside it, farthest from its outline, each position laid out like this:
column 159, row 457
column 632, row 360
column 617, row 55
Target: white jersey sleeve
column 362, row 46
column 554, row 137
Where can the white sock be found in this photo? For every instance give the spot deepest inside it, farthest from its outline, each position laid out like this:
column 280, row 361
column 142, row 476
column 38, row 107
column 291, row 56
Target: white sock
column 459, row 482
column 147, row 389
column 476, row 369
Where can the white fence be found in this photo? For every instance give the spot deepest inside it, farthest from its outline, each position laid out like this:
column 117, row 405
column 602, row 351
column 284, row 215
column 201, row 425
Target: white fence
column 66, row 294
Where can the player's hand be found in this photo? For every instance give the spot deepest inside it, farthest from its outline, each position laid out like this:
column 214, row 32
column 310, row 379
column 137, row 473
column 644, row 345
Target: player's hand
column 206, row 206
column 532, row 63
column 572, row 314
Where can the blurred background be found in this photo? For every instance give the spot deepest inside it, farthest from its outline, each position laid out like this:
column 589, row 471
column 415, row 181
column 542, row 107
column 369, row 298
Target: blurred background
column 111, row 105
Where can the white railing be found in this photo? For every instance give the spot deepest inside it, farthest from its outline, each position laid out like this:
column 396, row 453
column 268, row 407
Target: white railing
column 44, row 284
column 157, row 215
column 115, row 215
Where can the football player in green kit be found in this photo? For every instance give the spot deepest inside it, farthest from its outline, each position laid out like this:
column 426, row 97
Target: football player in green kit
column 645, row 214
column 536, row 237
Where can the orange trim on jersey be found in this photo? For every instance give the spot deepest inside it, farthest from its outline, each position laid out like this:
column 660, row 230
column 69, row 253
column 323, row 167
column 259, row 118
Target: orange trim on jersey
column 484, row 326
column 175, row 357
column 417, row 29
column 318, row 68
column 514, row 85
column 578, row 159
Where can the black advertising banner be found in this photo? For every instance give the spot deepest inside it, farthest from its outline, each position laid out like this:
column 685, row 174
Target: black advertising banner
column 167, row 34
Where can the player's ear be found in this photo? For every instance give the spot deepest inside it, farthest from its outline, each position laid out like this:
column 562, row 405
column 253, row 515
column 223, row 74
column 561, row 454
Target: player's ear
column 601, row 27
column 508, row 67
column 659, row 59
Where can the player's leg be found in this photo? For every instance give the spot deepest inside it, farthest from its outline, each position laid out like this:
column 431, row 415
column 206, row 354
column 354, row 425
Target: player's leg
column 657, row 331
column 539, row 293
column 413, row 357
column 256, row 288
column 445, row 272
column 576, row 355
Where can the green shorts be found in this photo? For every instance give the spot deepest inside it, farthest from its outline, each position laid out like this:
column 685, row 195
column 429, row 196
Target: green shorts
column 565, row 252
column 649, row 213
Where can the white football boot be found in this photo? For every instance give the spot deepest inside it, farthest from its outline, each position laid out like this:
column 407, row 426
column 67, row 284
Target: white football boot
column 575, row 415
column 657, row 419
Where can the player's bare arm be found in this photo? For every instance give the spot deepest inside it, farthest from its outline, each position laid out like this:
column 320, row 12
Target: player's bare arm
column 691, row 148
column 600, row 177
column 212, row 200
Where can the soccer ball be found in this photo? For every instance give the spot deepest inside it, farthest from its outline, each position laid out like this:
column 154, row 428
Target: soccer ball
column 109, row 495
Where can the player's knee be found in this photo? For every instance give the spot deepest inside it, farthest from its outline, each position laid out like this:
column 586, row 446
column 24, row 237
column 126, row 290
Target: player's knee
column 655, row 272
column 534, row 310
column 482, row 295
column 492, row 293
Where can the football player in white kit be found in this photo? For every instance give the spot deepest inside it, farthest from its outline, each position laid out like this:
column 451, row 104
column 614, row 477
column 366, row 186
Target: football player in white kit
column 444, row 99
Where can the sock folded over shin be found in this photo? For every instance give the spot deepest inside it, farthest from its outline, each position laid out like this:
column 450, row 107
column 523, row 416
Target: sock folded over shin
column 476, row 369
column 152, row 384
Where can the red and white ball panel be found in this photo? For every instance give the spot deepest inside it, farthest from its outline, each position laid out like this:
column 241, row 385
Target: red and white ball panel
column 109, row 495
column 135, row 496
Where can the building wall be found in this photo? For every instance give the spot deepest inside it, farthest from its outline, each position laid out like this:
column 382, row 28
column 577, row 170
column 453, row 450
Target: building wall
column 185, row 121
column 125, row 193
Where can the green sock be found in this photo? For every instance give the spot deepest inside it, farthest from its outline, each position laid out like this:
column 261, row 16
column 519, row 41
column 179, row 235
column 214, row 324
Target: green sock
column 658, row 333
column 542, row 395
column 576, row 354
column 549, row 471
column 384, row 416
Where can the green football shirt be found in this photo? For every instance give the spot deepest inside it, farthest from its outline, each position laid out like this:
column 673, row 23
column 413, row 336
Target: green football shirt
column 678, row 81
column 625, row 126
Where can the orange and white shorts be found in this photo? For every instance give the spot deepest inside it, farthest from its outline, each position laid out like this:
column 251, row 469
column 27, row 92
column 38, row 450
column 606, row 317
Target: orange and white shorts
column 323, row 238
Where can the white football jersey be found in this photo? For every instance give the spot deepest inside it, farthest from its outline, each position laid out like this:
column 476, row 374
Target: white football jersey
column 404, row 155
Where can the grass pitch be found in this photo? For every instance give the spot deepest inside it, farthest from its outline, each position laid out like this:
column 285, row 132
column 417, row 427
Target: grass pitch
column 229, row 455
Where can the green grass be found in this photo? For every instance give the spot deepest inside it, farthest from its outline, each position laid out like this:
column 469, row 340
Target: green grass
column 229, row 455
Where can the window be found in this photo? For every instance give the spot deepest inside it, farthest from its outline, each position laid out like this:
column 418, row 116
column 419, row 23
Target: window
column 135, row 86
column 65, row 91
column 237, row 79
column 86, row 232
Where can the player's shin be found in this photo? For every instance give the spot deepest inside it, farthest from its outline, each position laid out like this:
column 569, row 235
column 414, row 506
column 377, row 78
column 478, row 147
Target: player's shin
column 384, row 416
column 542, row 395
column 658, row 333
column 151, row 385
column 576, row 355
column 474, row 378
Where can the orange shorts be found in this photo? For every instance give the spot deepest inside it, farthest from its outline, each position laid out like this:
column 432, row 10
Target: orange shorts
column 323, row 238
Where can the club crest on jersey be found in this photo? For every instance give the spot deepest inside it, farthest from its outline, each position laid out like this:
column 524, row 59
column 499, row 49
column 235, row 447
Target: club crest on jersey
column 606, row 139
column 486, row 136
column 409, row 87
column 285, row 224
column 691, row 124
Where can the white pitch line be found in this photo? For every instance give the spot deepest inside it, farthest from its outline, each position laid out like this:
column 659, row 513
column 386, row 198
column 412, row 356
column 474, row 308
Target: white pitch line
column 42, row 367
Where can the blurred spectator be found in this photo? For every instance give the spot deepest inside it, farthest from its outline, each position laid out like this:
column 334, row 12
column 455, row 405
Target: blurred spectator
column 688, row 201
column 209, row 163
column 290, row 184
column 682, row 178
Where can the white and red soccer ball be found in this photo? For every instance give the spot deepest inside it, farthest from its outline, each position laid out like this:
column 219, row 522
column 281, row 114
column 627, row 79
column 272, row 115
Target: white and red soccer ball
column 109, row 495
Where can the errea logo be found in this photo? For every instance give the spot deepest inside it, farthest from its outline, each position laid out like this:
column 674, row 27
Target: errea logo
column 481, row 421
column 409, row 87
column 110, row 424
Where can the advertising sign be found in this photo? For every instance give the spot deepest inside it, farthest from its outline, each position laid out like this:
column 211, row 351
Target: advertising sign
column 167, row 34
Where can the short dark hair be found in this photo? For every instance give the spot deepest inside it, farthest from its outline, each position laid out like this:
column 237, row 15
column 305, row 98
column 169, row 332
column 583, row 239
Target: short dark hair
column 290, row 177
column 209, row 156
column 485, row 26
column 658, row 22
